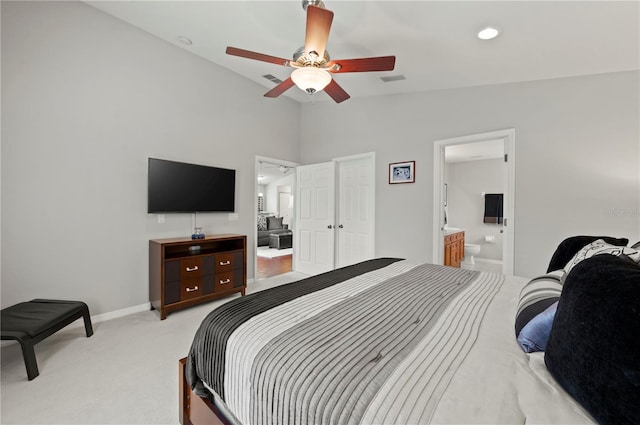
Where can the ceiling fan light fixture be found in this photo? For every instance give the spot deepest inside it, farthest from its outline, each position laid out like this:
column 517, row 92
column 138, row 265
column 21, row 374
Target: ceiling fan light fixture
column 311, row 79
column 306, row 3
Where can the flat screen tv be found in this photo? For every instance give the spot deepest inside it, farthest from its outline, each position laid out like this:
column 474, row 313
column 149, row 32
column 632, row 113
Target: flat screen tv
column 178, row 187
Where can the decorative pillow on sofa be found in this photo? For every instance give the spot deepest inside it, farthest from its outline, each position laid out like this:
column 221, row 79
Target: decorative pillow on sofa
column 262, row 222
column 568, row 248
column 600, row 247
column 274, row 223
column 536, row 296
column 594, row 349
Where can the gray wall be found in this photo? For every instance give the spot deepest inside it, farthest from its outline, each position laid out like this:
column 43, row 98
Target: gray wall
column 466, row 182
column 577, row 157
column 86, row 99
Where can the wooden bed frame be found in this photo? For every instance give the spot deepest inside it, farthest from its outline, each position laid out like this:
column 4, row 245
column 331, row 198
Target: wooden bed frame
column 193, row 409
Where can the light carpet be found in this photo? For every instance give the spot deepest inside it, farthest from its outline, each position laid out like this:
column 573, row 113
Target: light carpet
column 126, row 373
column 266, row 252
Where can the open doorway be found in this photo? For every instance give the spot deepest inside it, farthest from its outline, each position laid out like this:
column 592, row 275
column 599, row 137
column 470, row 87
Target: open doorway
column 483, row 171
column 275, row 185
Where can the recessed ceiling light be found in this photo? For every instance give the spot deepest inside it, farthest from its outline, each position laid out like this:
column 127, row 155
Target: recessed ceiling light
column 185, row 40
column 488, row 33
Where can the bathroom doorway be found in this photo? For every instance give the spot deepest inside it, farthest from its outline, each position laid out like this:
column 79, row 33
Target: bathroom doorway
column 275, row 245
column 468, row 172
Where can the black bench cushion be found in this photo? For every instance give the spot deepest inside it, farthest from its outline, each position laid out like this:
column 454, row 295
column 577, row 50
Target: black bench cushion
column 36, row 316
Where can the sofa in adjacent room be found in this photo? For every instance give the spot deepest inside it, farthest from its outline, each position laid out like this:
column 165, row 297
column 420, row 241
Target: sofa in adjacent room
column 270, row 226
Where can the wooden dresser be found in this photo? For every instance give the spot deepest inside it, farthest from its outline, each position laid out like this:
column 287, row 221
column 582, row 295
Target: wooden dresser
column 185, row 272
column 453, row 249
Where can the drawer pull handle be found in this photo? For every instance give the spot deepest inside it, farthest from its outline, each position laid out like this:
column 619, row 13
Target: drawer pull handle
column 225, row 263
column 192, row 269
column 223, row 282
column 195, row 288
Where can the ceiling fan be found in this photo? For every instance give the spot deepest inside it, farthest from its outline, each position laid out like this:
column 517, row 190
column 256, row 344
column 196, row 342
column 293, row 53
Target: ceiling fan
column 313, row 66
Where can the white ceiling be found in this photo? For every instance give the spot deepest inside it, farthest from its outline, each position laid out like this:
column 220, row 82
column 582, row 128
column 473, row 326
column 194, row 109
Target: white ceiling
column 434, row 42
column 269, row 173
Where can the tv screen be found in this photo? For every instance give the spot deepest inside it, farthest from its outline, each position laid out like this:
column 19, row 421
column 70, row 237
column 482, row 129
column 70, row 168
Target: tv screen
column 177, row 187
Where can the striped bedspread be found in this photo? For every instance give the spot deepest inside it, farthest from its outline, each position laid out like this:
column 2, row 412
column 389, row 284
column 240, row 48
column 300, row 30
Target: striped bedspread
column 377, row 342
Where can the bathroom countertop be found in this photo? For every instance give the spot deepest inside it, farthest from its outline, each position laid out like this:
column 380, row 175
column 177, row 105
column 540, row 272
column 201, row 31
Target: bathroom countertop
column 452, row 230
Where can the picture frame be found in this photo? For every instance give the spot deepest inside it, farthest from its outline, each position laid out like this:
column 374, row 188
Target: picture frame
column 402, row 172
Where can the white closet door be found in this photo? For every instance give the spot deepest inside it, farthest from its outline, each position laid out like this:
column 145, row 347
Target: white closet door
column 315, row 212
column 355, row 218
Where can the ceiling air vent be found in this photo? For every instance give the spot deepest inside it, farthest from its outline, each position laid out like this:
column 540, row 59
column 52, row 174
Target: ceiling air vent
column 273, row 79
column 393, row 78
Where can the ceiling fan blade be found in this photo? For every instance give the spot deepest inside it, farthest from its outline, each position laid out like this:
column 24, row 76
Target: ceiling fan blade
column 318, row 26
column 280, row 88
column 336, row 92
column 256, row 56
column 381, row 63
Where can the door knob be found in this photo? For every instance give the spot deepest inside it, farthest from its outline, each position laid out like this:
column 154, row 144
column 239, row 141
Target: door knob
column 341, row 226
column 329, row 227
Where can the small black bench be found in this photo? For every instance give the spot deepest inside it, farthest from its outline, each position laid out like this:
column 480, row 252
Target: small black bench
column 32, row 321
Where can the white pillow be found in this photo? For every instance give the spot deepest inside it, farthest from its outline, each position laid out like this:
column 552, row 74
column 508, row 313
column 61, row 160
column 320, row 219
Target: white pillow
column 601, row 247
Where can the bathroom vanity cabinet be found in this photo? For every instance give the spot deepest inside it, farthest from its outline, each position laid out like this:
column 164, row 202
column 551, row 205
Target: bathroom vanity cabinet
column 453, row 249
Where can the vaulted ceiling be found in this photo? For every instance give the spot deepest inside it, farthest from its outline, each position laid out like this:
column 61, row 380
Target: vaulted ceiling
column 434, row 42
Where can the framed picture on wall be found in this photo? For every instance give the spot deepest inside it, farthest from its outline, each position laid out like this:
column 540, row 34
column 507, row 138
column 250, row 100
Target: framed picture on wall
column 402, row 172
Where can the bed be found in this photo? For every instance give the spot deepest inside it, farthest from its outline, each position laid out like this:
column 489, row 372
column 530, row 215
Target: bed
column 385, row 341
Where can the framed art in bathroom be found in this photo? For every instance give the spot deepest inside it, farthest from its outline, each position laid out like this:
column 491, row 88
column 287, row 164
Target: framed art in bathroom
column 402, row 172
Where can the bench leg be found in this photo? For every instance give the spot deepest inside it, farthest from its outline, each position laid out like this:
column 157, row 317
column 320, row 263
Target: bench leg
column 87, row 322
column 29, row 359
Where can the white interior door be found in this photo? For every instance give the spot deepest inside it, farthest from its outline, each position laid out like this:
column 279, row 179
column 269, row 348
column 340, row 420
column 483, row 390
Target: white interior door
column 315, row 212
column 356, row 207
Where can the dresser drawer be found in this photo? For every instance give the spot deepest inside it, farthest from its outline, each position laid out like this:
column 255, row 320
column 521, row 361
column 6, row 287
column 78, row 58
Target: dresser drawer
column 190, row 289
column 190, row 268
column 228, row 261
column 223, row 281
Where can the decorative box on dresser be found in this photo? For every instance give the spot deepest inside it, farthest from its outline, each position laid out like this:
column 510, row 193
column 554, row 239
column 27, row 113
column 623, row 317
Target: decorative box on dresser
column 453, row 248
column 184, row 272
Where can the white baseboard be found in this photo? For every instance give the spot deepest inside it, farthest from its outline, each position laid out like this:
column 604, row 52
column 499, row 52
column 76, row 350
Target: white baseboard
column 107, row 316
column 487, row 260
column 482, row 261
column 124, row 312
column 118, row 313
